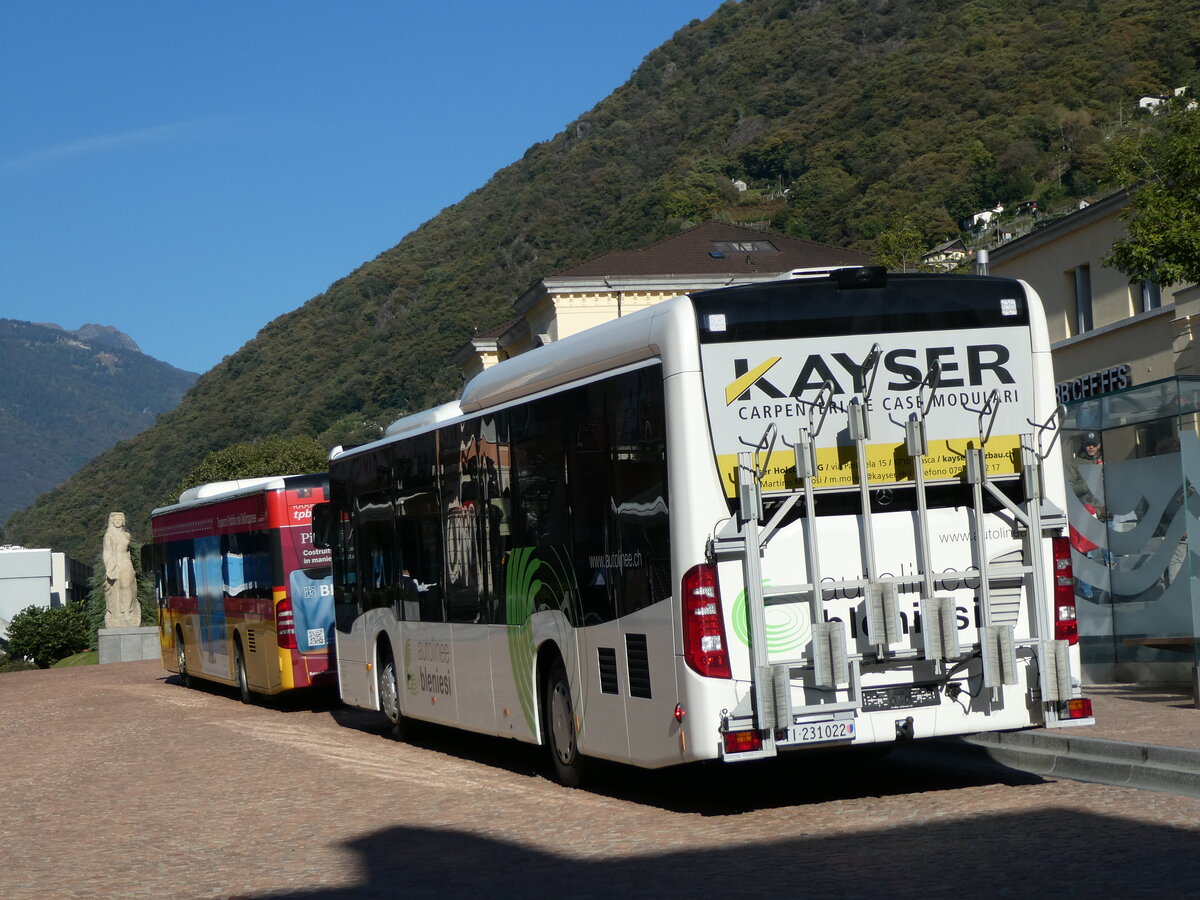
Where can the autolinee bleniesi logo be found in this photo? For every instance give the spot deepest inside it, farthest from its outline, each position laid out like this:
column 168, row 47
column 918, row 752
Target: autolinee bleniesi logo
column 410, row 674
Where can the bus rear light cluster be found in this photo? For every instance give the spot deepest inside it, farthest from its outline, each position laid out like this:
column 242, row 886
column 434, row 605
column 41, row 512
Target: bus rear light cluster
column 1066, row 625
column 1079, row 708
column 704, row 645
column 742, row 741
column 285, row 624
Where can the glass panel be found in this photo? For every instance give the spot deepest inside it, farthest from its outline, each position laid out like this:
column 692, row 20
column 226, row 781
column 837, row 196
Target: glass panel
column 496, row 453
column 1188, row 571
column 1145, row 497
column 419, row 529
column 1089, row 544
column 462, row 493
column 639, row 490
column 541, row 539
column 1130, row 519
column 594, row 546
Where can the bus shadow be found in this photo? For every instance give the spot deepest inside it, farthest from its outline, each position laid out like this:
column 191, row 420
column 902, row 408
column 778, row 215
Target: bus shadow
column 723, row 789
column 707, row 789
column 1043, row 852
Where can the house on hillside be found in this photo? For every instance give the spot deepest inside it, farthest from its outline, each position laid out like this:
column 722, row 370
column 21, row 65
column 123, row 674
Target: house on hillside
column 1155, row 103
column 949, row 255
column 711, row 255
column 983, row 218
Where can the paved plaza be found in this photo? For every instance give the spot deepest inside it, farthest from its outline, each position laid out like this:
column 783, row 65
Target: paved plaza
column 119, row 782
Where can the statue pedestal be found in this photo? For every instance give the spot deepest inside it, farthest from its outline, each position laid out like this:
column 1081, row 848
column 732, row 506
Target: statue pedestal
column 129, row 644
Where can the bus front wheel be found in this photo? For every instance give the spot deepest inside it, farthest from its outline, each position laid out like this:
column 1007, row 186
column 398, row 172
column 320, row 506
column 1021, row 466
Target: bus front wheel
column 560, row 728
column 389, row 695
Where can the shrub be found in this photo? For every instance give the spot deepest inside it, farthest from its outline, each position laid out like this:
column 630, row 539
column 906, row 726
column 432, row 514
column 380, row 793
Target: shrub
column 47, row 635
column 9, row 664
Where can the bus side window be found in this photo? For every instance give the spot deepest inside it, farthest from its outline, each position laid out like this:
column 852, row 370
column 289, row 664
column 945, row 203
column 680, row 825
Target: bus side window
column 345, row 599
column 419, row 529
column 378, row 567
column 591, row 541
column 539, row 509
column 496, row 516
column 638, row 508
column 461, row 493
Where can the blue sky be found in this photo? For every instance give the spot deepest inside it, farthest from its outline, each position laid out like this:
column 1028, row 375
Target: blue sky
column 188, row 171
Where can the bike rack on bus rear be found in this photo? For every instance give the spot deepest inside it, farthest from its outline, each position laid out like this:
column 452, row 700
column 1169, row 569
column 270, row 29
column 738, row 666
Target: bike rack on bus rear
column 831, row 668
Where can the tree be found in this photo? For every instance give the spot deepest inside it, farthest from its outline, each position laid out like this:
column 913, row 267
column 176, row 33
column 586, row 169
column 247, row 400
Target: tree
column 272, row 455
column 47, row 635
column 900, row 246
column 1163, row 219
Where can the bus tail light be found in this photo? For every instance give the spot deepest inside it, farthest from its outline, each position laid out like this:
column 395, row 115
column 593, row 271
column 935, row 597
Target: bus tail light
column 1078, row 708
column 1066, row 625
column 742, row 741
column 285, row 624
column 704, row 645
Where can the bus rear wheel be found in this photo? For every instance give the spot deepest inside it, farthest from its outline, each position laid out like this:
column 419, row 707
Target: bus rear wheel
column 181, row 660
column 239, row 664
column 389, row 695
column 559, row 717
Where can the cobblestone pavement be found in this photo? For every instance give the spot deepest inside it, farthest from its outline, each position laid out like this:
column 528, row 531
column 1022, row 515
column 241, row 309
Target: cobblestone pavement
column 1143, row 714
column 119, row 782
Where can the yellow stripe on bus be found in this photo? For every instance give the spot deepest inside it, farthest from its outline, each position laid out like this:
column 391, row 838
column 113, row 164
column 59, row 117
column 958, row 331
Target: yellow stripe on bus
column 743, row 383
column 886, row 464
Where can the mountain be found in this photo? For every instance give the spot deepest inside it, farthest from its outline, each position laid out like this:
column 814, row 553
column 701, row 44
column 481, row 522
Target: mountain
column 848, row 120
column 66, row 396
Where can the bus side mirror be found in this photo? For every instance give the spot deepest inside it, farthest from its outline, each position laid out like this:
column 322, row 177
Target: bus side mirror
column 323, row 520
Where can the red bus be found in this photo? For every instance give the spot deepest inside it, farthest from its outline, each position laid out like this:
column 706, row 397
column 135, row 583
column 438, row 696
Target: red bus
column 244, row 596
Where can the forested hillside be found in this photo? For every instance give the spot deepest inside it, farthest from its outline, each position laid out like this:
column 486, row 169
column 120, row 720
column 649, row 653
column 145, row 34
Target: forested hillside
column 66, row 396
column 847, row 120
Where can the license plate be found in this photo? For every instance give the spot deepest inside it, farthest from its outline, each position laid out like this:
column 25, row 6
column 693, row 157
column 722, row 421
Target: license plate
column 821, row 732
column 907, row 696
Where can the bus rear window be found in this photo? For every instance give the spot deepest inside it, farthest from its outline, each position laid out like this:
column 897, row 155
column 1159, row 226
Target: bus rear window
column 813, row 308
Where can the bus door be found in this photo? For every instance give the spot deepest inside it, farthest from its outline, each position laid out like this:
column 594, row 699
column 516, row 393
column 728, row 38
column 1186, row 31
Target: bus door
column 334, row 529
column 210, row 591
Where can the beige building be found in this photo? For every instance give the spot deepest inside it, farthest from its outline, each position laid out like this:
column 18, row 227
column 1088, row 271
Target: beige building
column 1125, row 359
column 711, row 255
column 1097, row 317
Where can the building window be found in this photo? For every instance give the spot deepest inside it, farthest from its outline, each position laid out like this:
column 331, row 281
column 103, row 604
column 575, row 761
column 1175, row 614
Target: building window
column 725, row 247
column 1151, row 295
column 1083, row 299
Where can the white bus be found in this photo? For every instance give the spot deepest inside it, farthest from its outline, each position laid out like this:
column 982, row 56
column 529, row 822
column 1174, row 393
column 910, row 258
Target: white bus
column 807, row 512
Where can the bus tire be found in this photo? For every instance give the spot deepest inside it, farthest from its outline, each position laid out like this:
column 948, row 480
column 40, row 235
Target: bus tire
column 559, row 718
column 181, row 659
column 239, row 670
column 389, row 693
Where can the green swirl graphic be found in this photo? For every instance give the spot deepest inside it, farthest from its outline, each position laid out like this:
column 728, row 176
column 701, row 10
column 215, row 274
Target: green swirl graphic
column 787, row 625
column 520, row 589
column 532, row 585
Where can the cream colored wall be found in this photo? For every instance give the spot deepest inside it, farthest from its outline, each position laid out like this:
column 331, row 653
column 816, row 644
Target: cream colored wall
column 1050, row 266
column 576, row 312
column 1120, row 333
column 478, row 362
column 1145, row 343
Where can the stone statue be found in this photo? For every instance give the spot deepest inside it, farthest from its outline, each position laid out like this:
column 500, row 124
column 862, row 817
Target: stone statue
column 122, row 609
